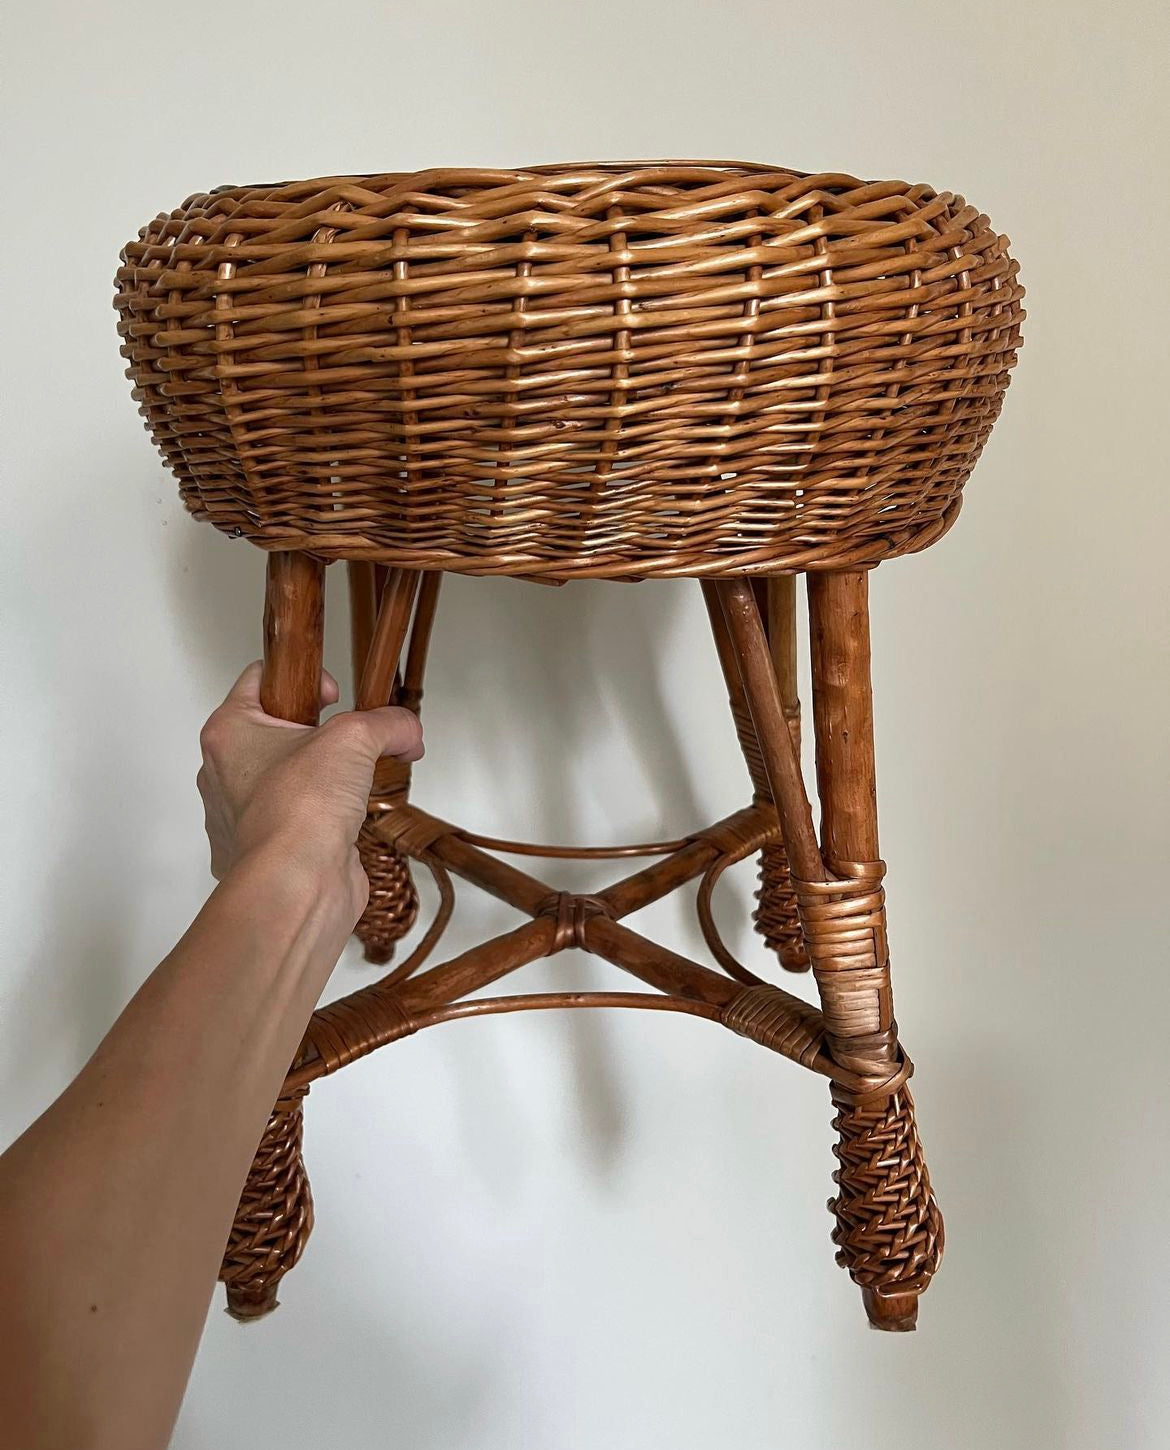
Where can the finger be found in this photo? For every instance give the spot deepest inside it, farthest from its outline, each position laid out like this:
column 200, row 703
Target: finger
column 389, row 730
column 330, row 692
column 246, row 690
column 244, row 695
column 395, row 731
column 404, row 733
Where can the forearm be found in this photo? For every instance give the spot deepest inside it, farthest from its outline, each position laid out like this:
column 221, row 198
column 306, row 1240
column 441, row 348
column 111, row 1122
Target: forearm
column 116, row 1204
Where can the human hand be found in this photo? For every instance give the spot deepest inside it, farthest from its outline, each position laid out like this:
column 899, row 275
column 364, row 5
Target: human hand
column 298, row 792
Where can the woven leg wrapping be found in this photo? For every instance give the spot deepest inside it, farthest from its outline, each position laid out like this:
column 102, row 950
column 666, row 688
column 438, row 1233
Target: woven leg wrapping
column 776, row 916
column 889, row 1232
column 393, row 903
column 274, row 1218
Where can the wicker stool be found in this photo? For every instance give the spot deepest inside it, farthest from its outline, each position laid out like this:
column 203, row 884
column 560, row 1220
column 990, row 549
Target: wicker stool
column 731, row 372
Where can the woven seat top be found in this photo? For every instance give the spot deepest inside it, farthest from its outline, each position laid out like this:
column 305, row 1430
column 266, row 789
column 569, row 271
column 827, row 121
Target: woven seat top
column 620, row 369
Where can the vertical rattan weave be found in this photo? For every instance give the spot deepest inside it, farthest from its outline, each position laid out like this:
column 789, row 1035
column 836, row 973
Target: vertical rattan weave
column 734, row 372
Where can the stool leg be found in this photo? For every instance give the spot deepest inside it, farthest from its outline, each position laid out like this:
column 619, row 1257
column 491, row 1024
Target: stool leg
column 275, row 1213
column 889, row 1231
column 393, row 904
column 777, row 917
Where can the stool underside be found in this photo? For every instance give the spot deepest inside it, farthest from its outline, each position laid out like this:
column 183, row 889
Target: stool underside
column 749, row 559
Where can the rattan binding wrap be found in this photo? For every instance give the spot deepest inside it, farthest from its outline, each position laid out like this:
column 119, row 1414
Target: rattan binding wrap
column 593, row 370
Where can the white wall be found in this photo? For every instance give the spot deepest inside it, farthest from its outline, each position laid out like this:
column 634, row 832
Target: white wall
column 599, row 1231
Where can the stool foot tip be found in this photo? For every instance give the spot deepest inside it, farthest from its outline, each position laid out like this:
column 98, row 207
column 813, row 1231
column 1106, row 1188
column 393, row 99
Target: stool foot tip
column 378, row 956
column 244, row 1307
column 893, row 1313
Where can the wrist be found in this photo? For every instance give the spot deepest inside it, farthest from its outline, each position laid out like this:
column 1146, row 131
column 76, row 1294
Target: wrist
column 294, row 880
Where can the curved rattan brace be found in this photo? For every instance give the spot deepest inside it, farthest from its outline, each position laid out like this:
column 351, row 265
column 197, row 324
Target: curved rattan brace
column 570, row 853
column 437, row 927
column 715, row 943
column 370, row 1019
column 555, row 1001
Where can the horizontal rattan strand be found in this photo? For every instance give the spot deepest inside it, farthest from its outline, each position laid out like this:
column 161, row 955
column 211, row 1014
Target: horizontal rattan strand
column 571, row 853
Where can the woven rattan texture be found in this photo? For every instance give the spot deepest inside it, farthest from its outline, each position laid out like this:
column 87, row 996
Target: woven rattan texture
column 606, row 370
column 393, row 904
column 889, row 1231
column 275, row 1215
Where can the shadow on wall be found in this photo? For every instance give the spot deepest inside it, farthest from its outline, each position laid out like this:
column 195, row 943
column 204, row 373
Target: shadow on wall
column 564, row 681
column 102, row 867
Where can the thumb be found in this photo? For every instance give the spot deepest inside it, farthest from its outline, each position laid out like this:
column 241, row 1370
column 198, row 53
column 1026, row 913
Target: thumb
column 388, row 730
column 246, row 690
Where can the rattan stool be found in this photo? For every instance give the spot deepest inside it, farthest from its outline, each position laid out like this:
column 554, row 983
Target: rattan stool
column 733, row 372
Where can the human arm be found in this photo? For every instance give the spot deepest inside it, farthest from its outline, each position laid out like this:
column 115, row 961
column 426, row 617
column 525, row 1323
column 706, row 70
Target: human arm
column 115, row 1204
